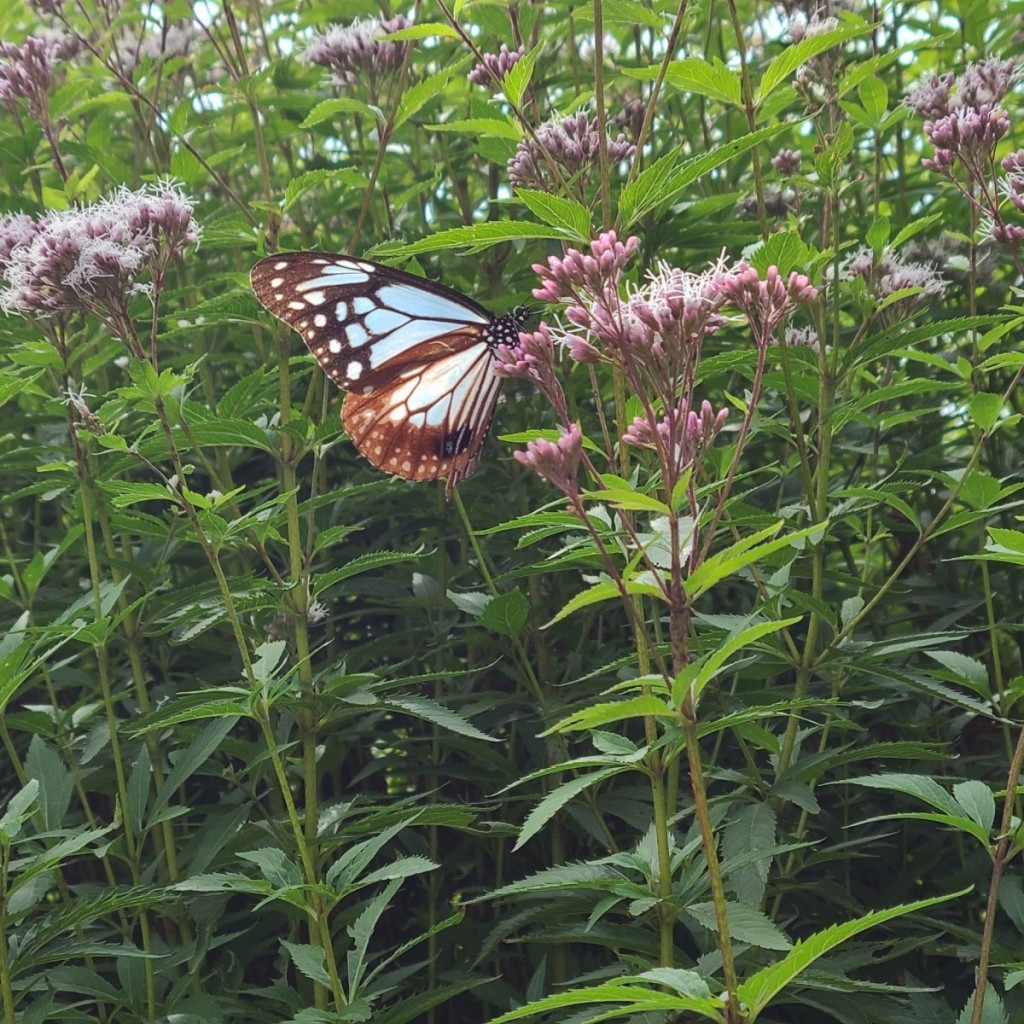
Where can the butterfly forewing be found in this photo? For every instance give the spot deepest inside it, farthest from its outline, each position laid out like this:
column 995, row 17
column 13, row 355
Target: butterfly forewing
column 416, row 357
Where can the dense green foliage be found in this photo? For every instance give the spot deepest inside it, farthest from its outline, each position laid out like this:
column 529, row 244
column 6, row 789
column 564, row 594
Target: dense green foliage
column 290, row 739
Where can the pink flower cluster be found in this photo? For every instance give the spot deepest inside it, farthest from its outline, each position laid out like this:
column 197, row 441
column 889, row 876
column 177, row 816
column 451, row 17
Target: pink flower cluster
column 92, row 258
column 965, row 123
column 573, row 143
column 29, row 70
column 652, row 336
column 491, row 71
column 558, row 462
column 888, row 275
column 357, row 51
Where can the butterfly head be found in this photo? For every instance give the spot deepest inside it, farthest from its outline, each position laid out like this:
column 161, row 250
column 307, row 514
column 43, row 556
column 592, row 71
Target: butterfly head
column 521, row 314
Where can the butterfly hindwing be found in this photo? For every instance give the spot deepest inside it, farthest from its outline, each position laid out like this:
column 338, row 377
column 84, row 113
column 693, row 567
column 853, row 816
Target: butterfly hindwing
column 415, row 357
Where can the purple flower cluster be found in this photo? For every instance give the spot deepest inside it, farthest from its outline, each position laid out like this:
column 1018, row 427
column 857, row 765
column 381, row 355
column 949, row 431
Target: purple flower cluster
column 491, row 71
column 787, row 161
column 573, row 143
column 28, row 71
column 357, row 50
column 170, row 41
column 652, row 336
column 964, row 123
column 681, row 430
column 558, row 462
column 93, row 258
column 890, row 275
column 765, row 303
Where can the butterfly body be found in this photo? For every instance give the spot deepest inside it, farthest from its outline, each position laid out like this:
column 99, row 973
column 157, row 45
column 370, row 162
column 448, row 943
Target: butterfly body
column 415, row 357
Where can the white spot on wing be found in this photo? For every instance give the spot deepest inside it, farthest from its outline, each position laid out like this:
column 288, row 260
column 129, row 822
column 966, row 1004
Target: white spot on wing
column 334, row 345
column 315, row 298
column 353, row 371
column 320, row 320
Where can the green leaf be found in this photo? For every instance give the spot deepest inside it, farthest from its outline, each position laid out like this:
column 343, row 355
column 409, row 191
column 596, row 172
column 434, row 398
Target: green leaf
column 19, row 808
column 191, row 759
column 472, row 238
column 603, row 591
column 760, row 989
column 489, row 127
column 977, row 800
column 507, row 613
column 517, row 78
column 308, row 960
column 784, row 250
column 921, row 786
column 878, row 234
column 741, row 554
column 304, row 182
column 711, row 78
column 568, row 214
column 750, row 829
column 46, row 767
column 624, row 498
column 328, row 108
column 874, row 96
column 612, row 711
column 364, row 563
column 746, row 924
column 438, row 714
column 666, row 178
column 783, row 67
column 424, row 30
column 986, row 409
column 138, row 790
column 554, row 801
column 361, row 931
column 415, row 97
column 631, row 1001
column 622, row 12
column 696, row 676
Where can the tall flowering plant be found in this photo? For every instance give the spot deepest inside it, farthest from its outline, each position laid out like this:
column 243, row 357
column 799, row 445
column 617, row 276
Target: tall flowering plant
column 645, row 491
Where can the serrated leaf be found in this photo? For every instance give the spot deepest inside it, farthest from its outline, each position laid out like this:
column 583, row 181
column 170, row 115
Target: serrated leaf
column 417, row 96
column 607, row 712
column 303, row 182
column 489, row 127
column 328, row 108
column 554, row 801
column 977, row 801
column 760, row 989
column 986, row 409
column 308, row 960
column 711, row 78
column 506, row 614
column 438, row 714
column 746, row 924
column 559, row 212
column 517, row 78
column 785, row 64
column 364, row 563
column 473, row 238
column 666, row 178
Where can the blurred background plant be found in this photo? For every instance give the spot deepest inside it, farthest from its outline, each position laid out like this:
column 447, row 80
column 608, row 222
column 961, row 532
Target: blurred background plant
column 697, row 701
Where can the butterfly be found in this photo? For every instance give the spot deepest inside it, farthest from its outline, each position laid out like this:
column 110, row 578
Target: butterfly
column 416, row 358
